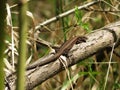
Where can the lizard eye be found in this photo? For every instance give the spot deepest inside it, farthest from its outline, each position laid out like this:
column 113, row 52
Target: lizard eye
column 81, row 39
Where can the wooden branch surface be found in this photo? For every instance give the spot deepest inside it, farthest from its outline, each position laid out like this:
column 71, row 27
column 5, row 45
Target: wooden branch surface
column 97, row 40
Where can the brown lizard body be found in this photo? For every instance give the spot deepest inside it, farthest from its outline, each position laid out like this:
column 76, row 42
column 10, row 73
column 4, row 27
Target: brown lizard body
column 63, row 50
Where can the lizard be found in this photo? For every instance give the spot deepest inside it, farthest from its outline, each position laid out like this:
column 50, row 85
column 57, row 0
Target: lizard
column 64, row 49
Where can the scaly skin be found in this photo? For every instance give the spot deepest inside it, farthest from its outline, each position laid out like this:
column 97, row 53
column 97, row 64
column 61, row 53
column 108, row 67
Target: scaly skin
column 64, row 49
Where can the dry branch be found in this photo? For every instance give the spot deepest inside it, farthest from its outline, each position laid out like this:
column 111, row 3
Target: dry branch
column 65, row 14
column 97, row 40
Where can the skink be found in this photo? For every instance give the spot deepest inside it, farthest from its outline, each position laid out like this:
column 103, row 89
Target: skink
column 64, row 49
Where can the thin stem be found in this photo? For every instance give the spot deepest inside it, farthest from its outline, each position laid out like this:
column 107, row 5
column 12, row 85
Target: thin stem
column 2, row 39
column 22, row 45
column 109, row 64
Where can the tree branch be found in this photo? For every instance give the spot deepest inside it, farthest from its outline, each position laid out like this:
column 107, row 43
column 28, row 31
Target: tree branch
column 97, row 40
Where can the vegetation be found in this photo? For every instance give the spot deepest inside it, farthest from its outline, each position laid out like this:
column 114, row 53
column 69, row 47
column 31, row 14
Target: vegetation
column 50, row 25
column 22, row 45
column 2, row 41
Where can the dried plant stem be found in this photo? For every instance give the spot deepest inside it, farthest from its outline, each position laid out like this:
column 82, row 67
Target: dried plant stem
column 109, row 65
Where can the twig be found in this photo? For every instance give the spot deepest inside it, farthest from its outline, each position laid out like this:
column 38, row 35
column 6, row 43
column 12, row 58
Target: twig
column 64, row 14
column 98, row 10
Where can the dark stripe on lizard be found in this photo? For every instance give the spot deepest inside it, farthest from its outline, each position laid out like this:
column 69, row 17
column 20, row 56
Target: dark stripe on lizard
column 64, row 49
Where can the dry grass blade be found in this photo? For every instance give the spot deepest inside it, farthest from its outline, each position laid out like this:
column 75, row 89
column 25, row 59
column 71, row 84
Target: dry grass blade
column 9, row 21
